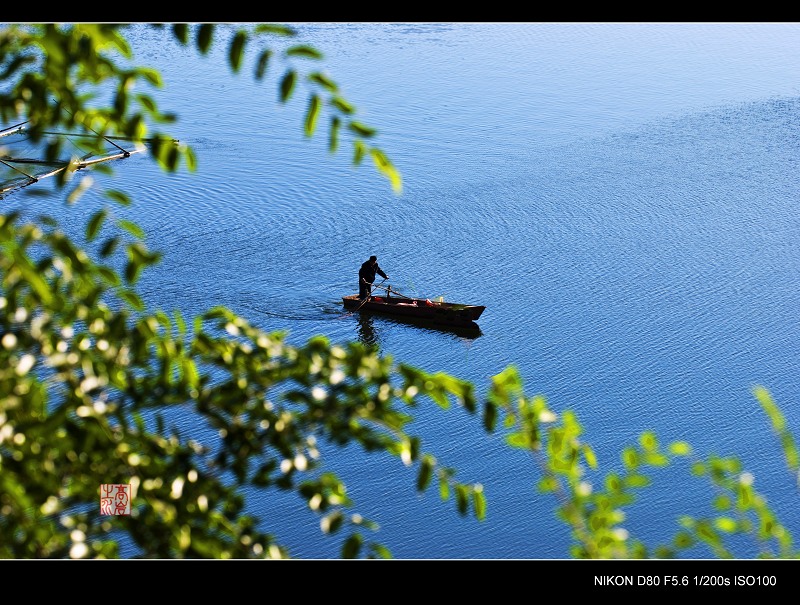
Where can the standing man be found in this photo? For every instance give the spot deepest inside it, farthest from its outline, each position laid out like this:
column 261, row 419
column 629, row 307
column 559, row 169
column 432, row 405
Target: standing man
column 366, row 275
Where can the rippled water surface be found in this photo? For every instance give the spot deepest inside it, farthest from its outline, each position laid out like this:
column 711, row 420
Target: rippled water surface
column 623, row 199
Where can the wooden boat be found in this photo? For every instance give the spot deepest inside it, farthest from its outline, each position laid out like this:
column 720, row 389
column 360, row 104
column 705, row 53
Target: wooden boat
column 435, row 312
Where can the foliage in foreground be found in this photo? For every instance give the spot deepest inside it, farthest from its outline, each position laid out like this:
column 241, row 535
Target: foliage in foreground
column 51, row 75
column 90, row 382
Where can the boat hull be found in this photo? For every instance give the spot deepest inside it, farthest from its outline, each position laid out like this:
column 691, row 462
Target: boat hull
column 439, row 313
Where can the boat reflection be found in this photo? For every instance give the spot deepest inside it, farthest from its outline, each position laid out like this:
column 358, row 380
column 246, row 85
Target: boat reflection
column 369, row 334
column 366, row 330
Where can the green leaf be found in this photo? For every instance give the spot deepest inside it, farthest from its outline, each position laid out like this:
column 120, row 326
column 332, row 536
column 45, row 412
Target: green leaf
column 181, row 32
column 132, row 299
column 386, row 168
column 425, row 473
column 648, row 441
column 305, row 51
column 352, row 546
column 274, row 28
column 190, row 158
column 192, row 375
column 444, row 488
column 462, row 499
column 479, row 503
column 312, row 115
column 109, row 246
column 779, row 426
column 109, row 276
column 118, row 196
column 519, row 441
column 589, row 455
column 324, row 81
column 489, row 416
column 180, row 322
column 342, row 105
column 237, row 50
column 153, row 76
column 148, row 102
column 163, row 319
column 204, row 37
column 359, row 149
column 723, row 502
column 262, row 63
column 131, row 228
column 380, row 551
column 362, row 129
column 287, row 85
column 630, row 458
column 706, row 533
column 637, row 481
column 95, row 222
column 333, row 141
column 132, row 270
column 683, row 540
column 36, row 282
column 680, row 448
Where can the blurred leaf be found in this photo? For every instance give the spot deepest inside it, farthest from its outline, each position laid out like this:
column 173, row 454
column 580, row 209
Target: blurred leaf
column 425, row 473
column 380, row 551
column 274, row 28
column 680, row 448
column 110, row 276
column 95, row 222
column 591, row 458
column 132, row 299
column 305, row 51
column 630, row 458
column 648, row 441
column 386, row 168
column 342, row 105
column 362, row 129
column 181, row 32
column 352, row 546
column 131, row 228
column 191, row 159
column 312, row 115
column 479, row 503
column 287, row 85
column 324, row 81
column 262, row 63
column 333, row 141
column 151, row 75
column 109, row 246
column 148, row 102
column 444, row 489
column 204, row 37
column 462, row 499
column 118, row 196
column 237, row 50
column 489, row 416
column 359, row 149
column 779, row 426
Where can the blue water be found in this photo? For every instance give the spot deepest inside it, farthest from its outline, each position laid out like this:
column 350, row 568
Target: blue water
column 623, row 199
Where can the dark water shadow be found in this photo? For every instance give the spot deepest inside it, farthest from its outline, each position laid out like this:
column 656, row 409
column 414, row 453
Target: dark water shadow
column 369, row 330
column 366, row 330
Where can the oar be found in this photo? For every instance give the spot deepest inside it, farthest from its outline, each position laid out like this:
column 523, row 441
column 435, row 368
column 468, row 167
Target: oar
column 363, row 302
column 371, row 288
column 390, row 290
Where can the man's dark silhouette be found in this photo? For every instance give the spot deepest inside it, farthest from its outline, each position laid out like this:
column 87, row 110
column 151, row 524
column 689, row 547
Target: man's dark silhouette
column 366, row 275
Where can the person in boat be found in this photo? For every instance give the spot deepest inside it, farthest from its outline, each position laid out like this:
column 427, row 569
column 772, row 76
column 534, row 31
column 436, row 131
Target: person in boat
column 366, row 275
